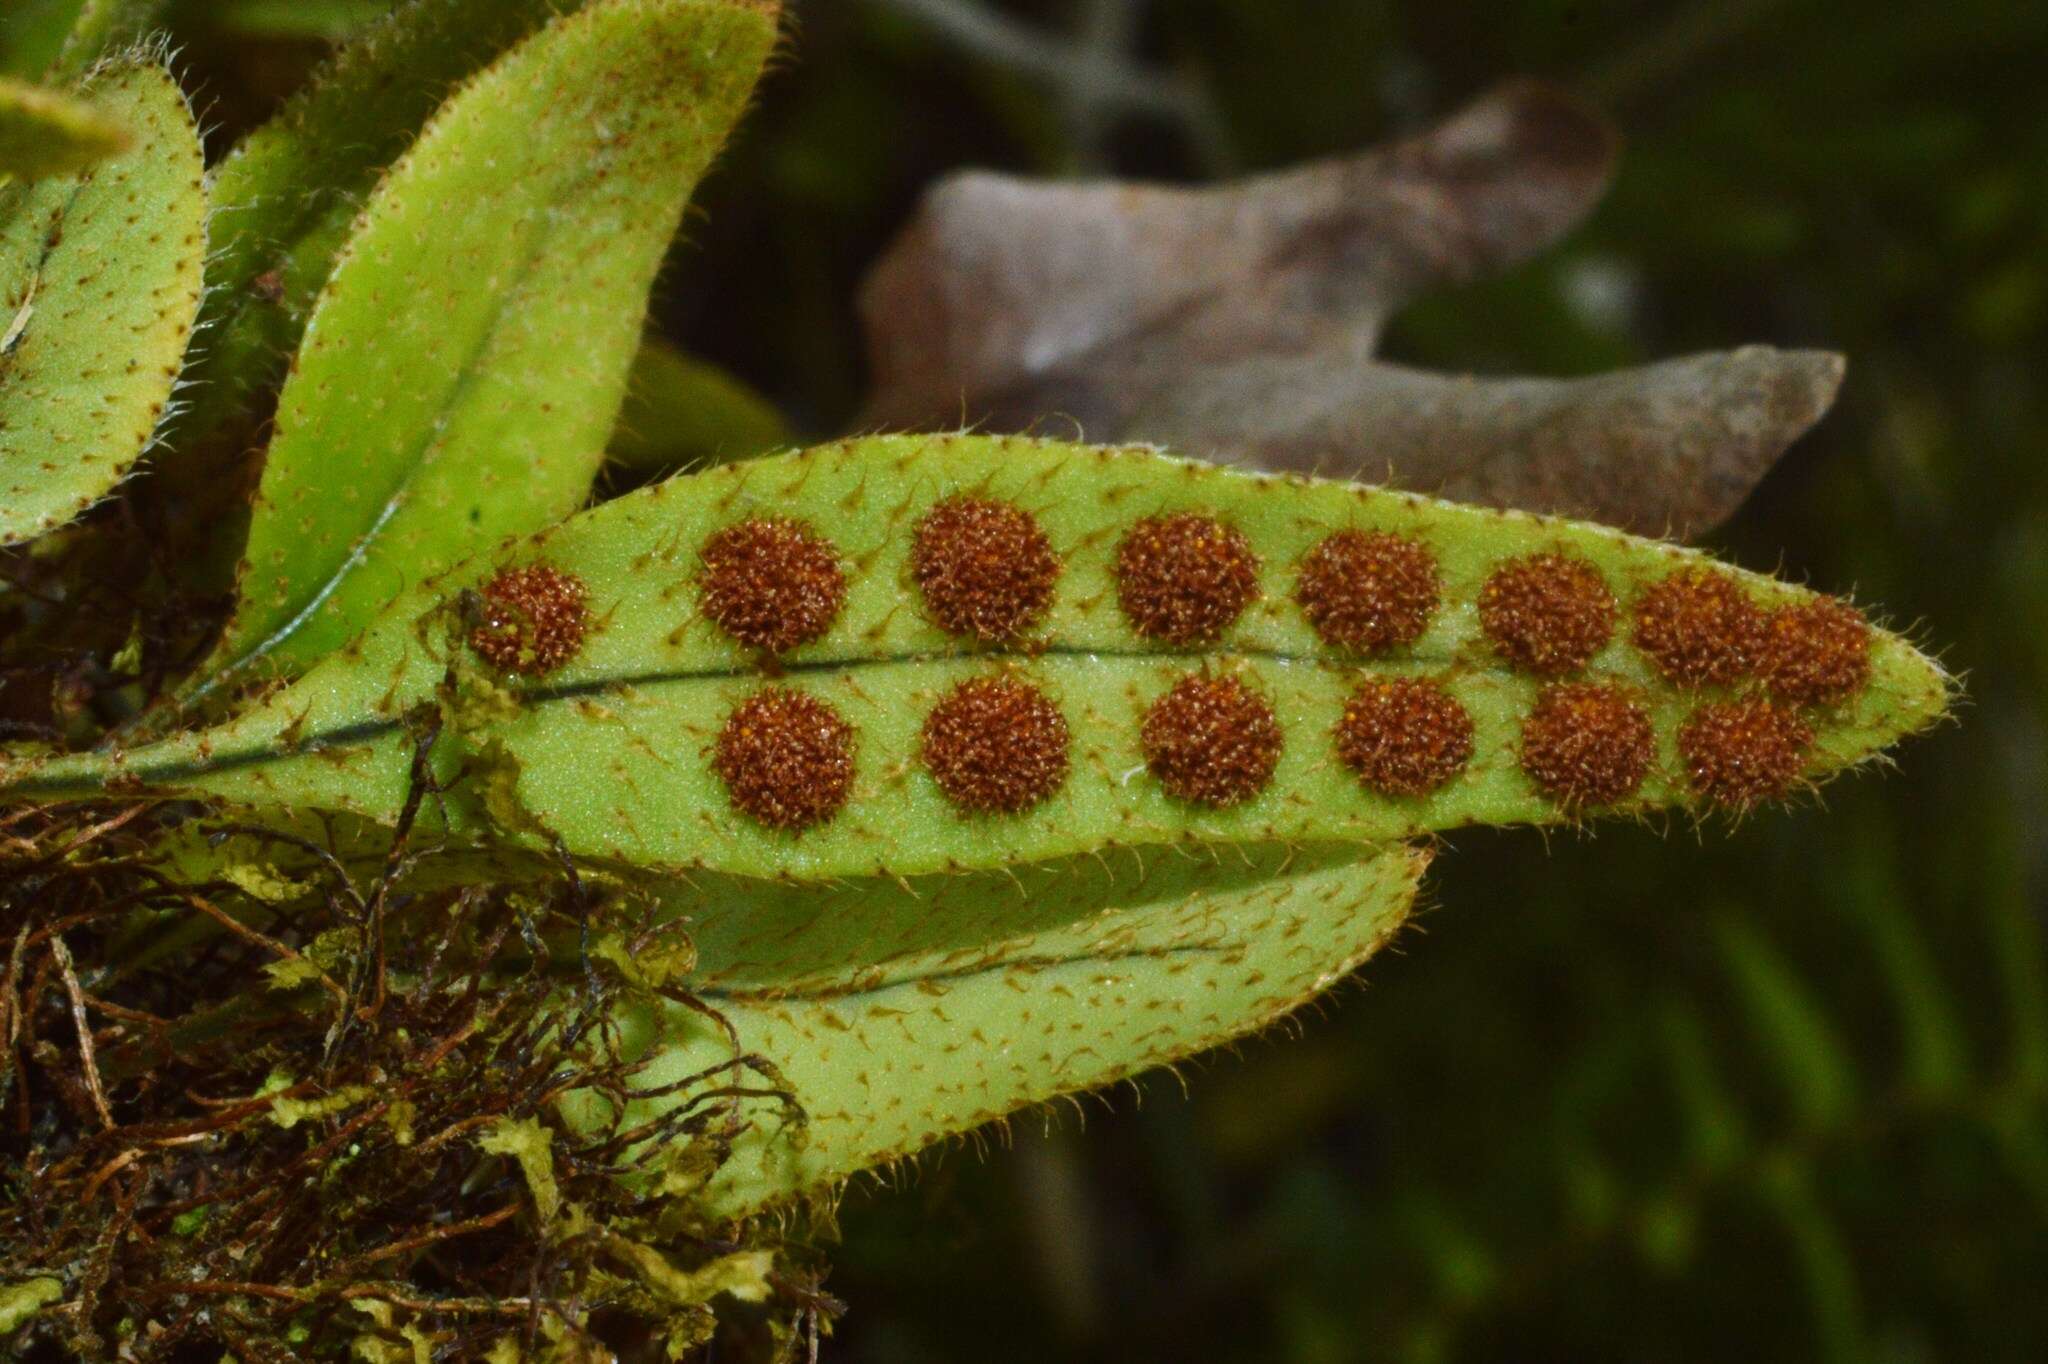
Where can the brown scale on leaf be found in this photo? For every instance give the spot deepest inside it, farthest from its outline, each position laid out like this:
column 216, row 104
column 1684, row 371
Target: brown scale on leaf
column 1368, row 592
column 1699, row 628
column 1183, row 579
column 1547, row 613
column 1815, row 653
column 1741, row 752
column 1587, row 743
column 985, row 567
column 528, row 621
column 1403, row 736
column 771, row 584
column 1212, row 741
column 786, row 759
column 996, row 745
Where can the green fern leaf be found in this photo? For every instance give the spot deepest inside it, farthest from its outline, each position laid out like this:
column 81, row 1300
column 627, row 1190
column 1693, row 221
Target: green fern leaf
column 1076, row 976
column 613, row 750
column 100, row 281
column 463, row 368
column 289, row 193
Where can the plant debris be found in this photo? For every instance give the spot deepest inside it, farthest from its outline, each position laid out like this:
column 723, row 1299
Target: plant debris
column 312, row 1124
column 1239, row 323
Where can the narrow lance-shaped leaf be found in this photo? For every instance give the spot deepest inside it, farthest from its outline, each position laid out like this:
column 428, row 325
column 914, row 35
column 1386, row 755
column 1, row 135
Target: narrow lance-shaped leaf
column 983, row 650
column 45, row 132
column 287, row 195
column 99, row 285
column 462, row 371
column 1073, row 976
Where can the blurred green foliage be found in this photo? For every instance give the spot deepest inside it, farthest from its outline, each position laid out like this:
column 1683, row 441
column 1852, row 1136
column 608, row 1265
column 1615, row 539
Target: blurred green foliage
column 1776, row 1092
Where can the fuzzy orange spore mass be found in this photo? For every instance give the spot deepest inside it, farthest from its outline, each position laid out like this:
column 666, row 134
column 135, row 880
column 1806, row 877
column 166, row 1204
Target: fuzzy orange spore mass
column 996, row 745
column 1212, row 741
column 1368, row 592
column 1815, row 653
column 986, row 568
column 786, row 759
column 772, row 584
column 1547, row 613
column 1699, row 628
column 1403, row 736
column 1741, row 752
column 1587, row 743
column 529, row 621
column 1184, row 578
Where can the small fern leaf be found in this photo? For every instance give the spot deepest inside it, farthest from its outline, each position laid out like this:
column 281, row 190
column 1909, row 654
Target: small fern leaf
column 462, row 370
column 604, row 689
column 44, row 132
column 99, row 286
column 289, row 192
column 1122, row 971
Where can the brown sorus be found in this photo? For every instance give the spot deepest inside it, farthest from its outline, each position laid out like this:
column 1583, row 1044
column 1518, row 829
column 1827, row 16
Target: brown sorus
column 1741, row 752
column 1403, row 736
column 996, row 745
column 1368, row 592
column 1587, row 743
column 1699, row 628
column 1547, row 613
column 1815, row 653
column 771, row 584
column 528, row 621
column 985, row 567
column 786, row 759
column 1211, row 741
column 1184, row 578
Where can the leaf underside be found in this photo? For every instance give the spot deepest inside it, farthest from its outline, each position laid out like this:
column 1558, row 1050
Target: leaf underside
column 987, row 994
column 99, row 286
column 608, row 757
column 462, row 371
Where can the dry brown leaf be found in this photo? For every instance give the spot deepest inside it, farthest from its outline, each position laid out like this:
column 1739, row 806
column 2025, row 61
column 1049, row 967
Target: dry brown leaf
column 1240, row 322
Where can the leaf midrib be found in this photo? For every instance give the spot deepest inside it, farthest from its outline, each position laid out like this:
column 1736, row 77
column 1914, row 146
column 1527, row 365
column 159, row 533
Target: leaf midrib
column 363, row 731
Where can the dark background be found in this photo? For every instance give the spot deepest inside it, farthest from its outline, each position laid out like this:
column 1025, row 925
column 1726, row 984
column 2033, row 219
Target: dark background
column 1779, row 1092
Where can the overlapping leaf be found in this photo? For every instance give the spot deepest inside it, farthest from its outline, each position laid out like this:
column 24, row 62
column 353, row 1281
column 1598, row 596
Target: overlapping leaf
column 892, row 1029
column 289, row 193
column 608, row 757
column 46, row 132
column 461, row 372
column 99, row 286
